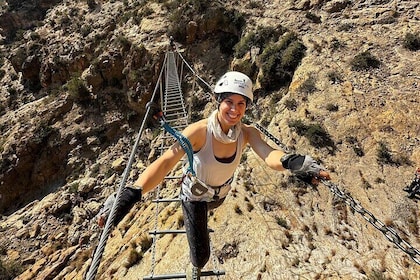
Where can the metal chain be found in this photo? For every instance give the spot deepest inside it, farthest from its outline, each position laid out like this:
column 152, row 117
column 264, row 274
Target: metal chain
column 273, row 138
column 389, row 232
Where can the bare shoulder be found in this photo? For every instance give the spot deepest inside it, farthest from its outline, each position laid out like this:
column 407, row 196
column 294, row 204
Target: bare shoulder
column 196, row 133
column 197, row 127
column 250, row 133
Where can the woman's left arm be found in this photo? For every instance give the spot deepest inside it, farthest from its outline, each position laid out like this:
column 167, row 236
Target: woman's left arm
column 303, row 166
column 270, row 155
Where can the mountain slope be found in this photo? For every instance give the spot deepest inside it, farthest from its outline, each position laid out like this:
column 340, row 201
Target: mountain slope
column 75, row 81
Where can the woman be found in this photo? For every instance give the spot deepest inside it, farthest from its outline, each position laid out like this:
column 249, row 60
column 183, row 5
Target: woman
column 218, row 143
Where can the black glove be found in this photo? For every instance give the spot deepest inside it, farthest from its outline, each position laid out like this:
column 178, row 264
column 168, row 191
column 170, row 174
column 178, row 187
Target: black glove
column 129, row 197
column 303, row 167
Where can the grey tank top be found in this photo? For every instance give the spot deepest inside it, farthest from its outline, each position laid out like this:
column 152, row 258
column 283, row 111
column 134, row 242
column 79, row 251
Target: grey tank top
column 211, row 171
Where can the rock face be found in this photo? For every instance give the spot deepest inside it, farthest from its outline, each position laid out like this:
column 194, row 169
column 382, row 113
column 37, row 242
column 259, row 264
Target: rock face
column 22, row 15
column 75, row 78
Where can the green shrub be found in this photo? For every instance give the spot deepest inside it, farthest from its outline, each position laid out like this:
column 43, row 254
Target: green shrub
column 273, row 76
column 91, row 4
column 43, row 133
column 10, row 270
column 335, row 44
column 299, row 126
column 291, row 104
column 314, row 18
column 315, row 133
column 412, row 42
column 279, row 61
column 183, row 12
column 354, row 143
column 227, row 43
column 293, row 55
column 332, row 107
column 77, row 89
column 364, row 61
column 145, row 12
column 308, row 86
column 318, row 136
column 345, row 27
column 238, row 210
column 282, row 222
column 376, row 275
column 335, row 77
column 255, row 5
column 259, row 38
column 383, row 154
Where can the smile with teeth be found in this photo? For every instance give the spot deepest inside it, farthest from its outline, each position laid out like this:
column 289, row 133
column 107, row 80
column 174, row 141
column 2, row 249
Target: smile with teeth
column 232, row 116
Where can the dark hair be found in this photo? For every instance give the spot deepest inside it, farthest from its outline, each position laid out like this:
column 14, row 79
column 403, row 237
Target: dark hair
column 222, row 96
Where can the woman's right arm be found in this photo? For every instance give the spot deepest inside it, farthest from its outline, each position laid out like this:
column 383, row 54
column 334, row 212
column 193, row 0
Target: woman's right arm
column 156, row 171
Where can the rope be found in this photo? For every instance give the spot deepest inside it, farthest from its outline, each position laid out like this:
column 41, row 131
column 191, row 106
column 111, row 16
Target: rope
column 93, row 269
column 183, row 141
column 108, row 226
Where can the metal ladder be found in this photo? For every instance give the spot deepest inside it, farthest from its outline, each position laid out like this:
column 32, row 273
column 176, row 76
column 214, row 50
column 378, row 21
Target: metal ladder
column 174, row 108
column 173, row 103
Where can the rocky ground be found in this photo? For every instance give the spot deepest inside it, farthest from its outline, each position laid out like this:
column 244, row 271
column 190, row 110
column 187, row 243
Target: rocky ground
column 77, row 74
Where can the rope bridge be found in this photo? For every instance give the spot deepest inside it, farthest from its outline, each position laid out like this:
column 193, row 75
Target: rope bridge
column 176, row 117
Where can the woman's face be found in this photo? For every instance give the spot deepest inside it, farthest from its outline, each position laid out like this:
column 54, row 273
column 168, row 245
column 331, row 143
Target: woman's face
column 231, row 110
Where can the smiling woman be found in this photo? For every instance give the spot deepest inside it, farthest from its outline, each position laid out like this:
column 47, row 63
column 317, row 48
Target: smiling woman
column 217, row 144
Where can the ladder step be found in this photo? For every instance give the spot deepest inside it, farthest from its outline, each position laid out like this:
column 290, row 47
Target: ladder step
column 173, row 177
column 171, row 231
column 177, row 109
column 175, row 114
column 175, row 231
column 166, row 200
column 183, row 275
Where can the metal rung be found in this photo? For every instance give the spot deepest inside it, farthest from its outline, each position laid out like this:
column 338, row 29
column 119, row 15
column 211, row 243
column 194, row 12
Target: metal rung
column 173, row 177
column 176, row 114
column 171, row 92
column 174, row 110
column 172, row 97
column 171, row 231
column 172, row 100
column 182, row 275
column 173, row 105
column 166, row 200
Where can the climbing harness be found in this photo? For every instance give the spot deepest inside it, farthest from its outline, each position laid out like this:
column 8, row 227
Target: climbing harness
column 389, row 232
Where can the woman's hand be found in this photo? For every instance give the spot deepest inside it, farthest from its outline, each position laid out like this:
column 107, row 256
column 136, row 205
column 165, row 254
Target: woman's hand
column 305, row 168
column 323, row 175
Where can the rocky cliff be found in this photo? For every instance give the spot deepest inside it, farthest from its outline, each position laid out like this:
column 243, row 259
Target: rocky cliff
column 75, row 78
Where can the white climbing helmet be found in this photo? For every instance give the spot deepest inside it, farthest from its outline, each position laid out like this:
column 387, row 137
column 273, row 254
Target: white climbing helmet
column 235, row 82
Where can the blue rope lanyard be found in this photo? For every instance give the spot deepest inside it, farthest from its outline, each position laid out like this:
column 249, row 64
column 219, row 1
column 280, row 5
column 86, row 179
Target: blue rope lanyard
column 182, row 140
